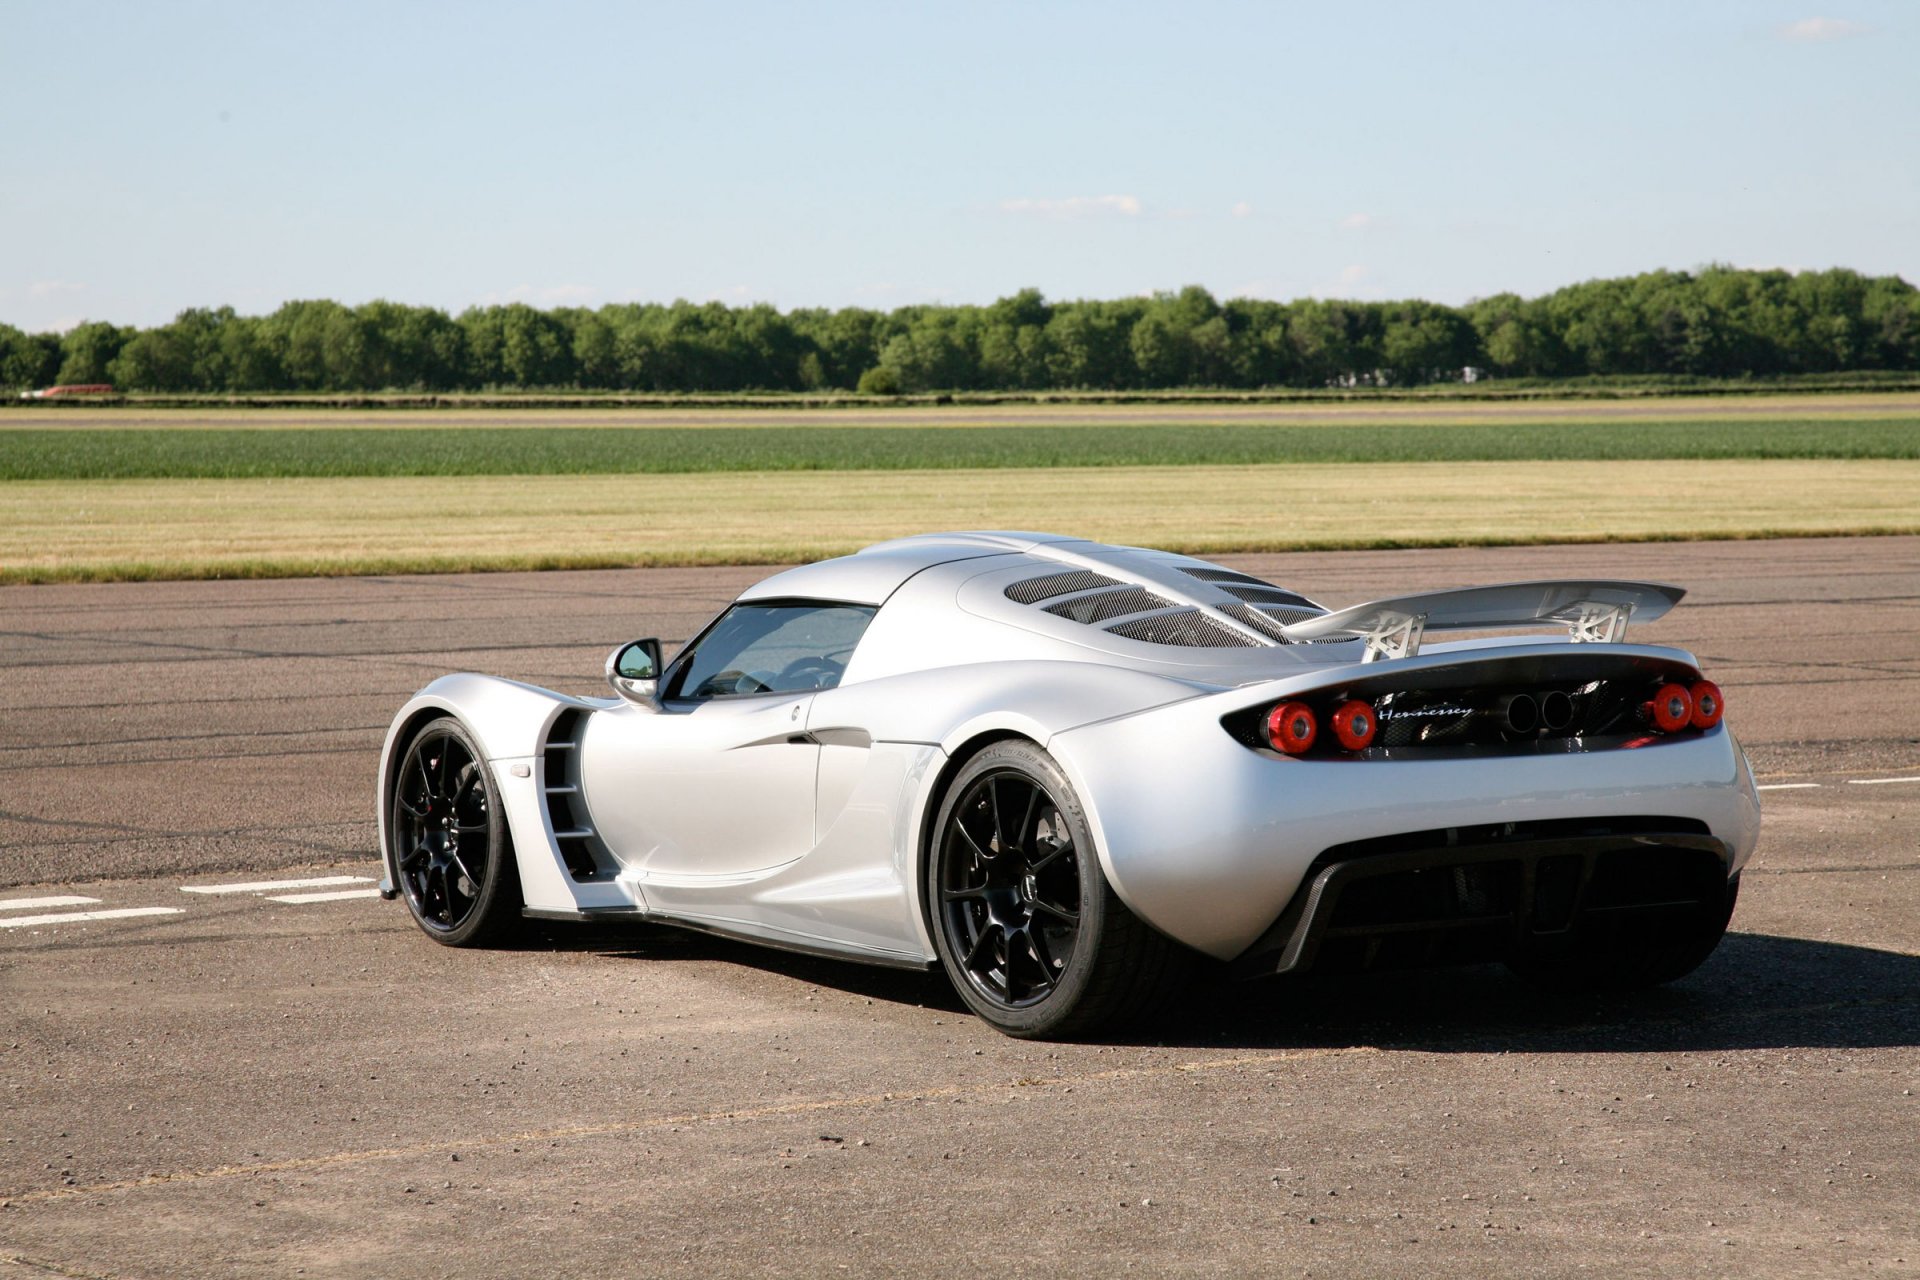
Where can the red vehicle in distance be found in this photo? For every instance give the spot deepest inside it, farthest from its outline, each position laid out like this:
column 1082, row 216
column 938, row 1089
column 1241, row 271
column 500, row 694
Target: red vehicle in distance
column 70, row 389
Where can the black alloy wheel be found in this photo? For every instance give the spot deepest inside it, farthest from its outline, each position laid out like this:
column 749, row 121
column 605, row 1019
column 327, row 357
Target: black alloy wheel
column 1029, row 931
column 1010, row 888
column 451, row 858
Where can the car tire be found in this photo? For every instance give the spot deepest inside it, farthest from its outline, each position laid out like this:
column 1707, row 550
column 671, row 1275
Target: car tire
column 1027, row 928
column 1639, row 960
column 449, row 854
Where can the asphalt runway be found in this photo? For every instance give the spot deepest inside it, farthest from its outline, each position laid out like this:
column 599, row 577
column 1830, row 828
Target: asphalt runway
column 288, row 1078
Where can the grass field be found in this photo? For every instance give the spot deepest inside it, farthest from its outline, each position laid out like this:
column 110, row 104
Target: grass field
column 413, row 451
column 104, row 531
column 108, row 494
column 80, row 416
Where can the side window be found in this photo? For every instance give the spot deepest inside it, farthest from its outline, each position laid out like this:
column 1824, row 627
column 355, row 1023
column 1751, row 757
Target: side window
column 772, row 648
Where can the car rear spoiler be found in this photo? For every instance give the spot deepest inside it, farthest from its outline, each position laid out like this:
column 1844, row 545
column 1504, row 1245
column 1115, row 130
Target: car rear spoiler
column 1593, row 611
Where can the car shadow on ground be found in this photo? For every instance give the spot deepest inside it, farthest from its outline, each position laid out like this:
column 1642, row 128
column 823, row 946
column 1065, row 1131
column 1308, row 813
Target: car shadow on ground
column 1758, row 991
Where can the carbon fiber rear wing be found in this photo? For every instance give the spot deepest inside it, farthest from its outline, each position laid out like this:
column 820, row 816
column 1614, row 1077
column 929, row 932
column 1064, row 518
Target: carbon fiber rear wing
column 1593, row 611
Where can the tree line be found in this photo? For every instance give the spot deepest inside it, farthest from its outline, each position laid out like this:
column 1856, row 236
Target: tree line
column 1718, row 322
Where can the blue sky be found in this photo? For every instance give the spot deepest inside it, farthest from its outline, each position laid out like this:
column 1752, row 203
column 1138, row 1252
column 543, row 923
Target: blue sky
column 155, row 156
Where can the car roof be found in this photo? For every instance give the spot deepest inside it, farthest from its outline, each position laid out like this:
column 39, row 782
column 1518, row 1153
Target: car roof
column 872, row 574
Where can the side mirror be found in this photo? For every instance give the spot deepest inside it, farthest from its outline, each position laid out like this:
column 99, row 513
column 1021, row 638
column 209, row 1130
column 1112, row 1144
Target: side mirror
column 634, row 672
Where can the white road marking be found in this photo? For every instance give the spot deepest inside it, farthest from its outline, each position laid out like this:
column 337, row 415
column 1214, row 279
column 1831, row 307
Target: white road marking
column 1786, row 786
column 263, row 886
column 336, row 896
column 1875, row 782
column 29, row 904
column 75, row 917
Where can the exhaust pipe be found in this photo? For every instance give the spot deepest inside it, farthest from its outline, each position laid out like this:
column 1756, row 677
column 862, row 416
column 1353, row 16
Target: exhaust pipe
column 1519, row 713
column 1556, row 711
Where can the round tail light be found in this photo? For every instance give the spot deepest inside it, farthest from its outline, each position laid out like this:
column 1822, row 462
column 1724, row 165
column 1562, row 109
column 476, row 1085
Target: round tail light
column 1291, row 727
column 1671, row 709
column 1707, row 705
column 1354, row 725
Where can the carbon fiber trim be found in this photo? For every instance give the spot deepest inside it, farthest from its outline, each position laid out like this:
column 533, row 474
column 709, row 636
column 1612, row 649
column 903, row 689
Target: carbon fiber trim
column 1222, row 575
column 1265, row 624
column 1270, row 595
column 1186, row 628
column 1047, row 586
column 1102, row 605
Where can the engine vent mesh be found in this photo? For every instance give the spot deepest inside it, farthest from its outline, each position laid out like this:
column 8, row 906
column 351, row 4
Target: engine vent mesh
column 1108, row 604
column 1287, row 617
column 1267, row 595
column 1265, row 624
column 1221, row 575
column 1186, row 628
column 1046, row 587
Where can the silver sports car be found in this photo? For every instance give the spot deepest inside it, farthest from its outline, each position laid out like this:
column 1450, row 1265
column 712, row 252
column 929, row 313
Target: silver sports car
column 1065, row 772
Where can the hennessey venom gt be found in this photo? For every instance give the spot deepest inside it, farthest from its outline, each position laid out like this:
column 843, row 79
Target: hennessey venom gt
column 1063, row 770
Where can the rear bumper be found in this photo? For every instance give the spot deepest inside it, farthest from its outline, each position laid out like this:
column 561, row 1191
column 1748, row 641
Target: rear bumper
column 1429, row 898
column 1209, row 841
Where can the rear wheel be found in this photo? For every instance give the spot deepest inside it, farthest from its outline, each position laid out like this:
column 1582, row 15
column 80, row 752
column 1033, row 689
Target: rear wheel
column 1027, row 927
column 451, row 856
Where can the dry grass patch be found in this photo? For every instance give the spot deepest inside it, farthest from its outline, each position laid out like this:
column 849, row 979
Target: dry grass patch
column 112, row 530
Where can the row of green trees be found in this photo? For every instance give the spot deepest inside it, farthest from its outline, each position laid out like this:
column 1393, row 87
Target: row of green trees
column 1718, row 322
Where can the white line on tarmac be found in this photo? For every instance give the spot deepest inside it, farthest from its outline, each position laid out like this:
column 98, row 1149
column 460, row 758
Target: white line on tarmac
column 263, row 886
column 1786, row 786
column 1875, row 782
column 29, row 904
column 75, row 917
column 337, row 895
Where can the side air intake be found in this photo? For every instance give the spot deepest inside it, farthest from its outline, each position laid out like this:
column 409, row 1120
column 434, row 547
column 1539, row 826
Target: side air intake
column 580, row 845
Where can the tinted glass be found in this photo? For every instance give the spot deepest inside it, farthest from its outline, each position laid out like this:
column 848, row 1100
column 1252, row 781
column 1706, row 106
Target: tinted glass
column 773, row 648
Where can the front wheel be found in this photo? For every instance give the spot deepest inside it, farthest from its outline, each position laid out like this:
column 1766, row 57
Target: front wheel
column 1027, row 927
column 452, row 859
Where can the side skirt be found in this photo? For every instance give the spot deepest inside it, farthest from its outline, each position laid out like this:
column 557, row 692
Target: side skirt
column 784, row 942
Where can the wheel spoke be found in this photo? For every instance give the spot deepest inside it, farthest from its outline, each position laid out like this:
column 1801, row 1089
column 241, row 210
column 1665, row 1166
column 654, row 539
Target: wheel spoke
column 1052, row 856
column 418, row 852
column 979, row 854
column 1064, row 917
column 1026, row 823
column 978, row 951
column 416, row 814
column 960, row 895
column 993, row 796
column 453, row 860
column 1042, row 953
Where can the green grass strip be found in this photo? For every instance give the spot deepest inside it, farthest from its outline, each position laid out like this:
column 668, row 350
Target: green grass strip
column 214, row 453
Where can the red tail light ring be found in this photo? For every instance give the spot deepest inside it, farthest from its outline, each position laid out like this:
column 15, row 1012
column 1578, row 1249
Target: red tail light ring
column 1354, row 724
column 1671, row 709
column 1707, row 705
column 1291, row 727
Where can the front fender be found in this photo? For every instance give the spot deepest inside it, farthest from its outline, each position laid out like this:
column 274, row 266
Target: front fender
column 510, row 721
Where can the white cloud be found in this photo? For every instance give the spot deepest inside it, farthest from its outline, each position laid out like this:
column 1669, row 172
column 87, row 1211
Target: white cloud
column 53, row 288
column 1242, row 209
column 1358, row 221
column 1075, row 206
column 1353, row 274
column 1813, row 30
